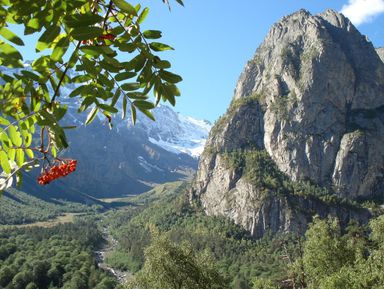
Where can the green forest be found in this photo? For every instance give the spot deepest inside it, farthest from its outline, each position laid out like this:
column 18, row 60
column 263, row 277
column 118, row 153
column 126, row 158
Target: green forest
column 58, row 257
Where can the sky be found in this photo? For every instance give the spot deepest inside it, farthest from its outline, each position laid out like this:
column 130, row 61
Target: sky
column 213, row 39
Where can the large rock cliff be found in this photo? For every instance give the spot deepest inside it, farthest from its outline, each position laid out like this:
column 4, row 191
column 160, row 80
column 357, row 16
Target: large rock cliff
column 307, row 116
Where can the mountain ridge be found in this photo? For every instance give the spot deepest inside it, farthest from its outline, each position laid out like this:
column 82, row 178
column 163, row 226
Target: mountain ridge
column 305, row 125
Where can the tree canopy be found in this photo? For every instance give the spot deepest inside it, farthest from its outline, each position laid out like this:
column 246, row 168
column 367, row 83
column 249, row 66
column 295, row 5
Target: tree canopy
column 117, row 69
column 168, row 265
column 333, row 260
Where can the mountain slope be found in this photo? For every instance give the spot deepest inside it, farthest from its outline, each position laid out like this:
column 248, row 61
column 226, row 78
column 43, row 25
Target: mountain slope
column 304, row 132
column 18, row 207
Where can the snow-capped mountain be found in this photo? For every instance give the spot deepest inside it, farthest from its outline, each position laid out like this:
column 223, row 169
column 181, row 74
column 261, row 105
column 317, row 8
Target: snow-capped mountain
column 128, row 159
column 175, row 132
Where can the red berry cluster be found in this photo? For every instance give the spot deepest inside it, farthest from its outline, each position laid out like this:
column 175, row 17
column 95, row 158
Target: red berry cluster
column 55, row 172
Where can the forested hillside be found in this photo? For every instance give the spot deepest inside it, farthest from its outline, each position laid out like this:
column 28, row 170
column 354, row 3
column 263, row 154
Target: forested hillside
column 59, row 257
column 18, row 207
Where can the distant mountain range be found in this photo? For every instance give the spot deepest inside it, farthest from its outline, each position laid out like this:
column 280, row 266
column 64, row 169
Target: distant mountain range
column 128, row 159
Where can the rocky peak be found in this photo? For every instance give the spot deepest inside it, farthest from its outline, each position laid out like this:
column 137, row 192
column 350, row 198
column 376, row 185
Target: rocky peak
column 312, row 97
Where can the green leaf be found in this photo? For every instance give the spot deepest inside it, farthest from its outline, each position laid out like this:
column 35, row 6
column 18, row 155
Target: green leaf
column 47, row 37
column 79, row 20
column 157, row 46
column 138, row 7
column 115, row 97
column 124, row 75
column 60, row 112
column 57, row 134
column 147, row 113
column 135, row 63
column 130, row 86
column 91, row 115
column 161, row 64
column 152, row 34
column 9, row 35
column 117, row 30
column 11, row 155
column 19, row 157
column 81, row 78
column 9, row 55
column 170, row 91
column 136, row 95
column 87, row 102
column 133, row 114
column 108, row 108
column 31, row 75
column 27, row 139
column 4, row 121
column 88, row 66
column 34, row 24
column 169, row 76
column 105, row 81
column 180, row 2
column 111, row 66
column 87, row 32
column 60, row 49
column 125, row 101
column 54, row 151
column 143, row 15
column 14, row 135
column 79, row 90
column 126, row 47
column 69, row 127
column 95, row 51
column 29, row 153
column 143, row 105
column 125, row 7
column 4, row 162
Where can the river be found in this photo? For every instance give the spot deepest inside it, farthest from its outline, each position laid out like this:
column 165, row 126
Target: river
column 101, row 256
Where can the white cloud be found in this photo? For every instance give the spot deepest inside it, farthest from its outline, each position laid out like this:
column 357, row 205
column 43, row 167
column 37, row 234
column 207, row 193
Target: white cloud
column 362, row 11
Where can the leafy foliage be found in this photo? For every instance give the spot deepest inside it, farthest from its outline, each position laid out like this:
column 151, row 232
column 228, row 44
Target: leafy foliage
column 168, row 265
column 114, row 60
column 334, row 260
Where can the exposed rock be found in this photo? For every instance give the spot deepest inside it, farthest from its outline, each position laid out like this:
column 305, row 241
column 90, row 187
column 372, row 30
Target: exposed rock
column 380, row 52
column 313, row 98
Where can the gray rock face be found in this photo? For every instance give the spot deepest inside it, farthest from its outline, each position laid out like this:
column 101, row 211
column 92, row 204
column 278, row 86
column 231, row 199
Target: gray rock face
column 380, row 52
column 313, row 98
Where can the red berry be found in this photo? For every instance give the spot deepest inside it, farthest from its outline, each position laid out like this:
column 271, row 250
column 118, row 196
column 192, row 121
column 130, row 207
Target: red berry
column 55, row 172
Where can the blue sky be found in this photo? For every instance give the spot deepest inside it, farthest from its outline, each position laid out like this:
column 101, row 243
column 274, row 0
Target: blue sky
column 213, row 39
